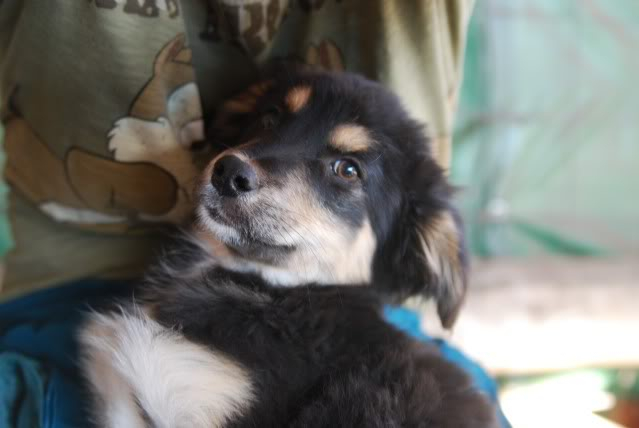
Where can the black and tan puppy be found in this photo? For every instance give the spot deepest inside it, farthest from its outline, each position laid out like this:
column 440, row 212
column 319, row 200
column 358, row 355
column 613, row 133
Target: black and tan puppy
column 326, row 205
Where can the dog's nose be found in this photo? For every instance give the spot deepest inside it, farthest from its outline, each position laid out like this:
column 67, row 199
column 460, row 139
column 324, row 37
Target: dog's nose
column 232, row 176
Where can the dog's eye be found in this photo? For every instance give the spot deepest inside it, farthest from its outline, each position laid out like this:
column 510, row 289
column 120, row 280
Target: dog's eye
column 346, row 169
column 271, row 117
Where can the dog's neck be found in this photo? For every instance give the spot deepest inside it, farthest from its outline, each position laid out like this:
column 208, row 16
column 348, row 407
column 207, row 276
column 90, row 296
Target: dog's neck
column 297, row 269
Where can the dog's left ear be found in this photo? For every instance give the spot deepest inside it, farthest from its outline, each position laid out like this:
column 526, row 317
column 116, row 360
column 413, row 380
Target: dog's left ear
column 425, row 254
column 441, row 250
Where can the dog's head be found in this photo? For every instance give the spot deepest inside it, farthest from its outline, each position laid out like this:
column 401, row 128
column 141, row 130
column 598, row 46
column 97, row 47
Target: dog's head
column 326, row 179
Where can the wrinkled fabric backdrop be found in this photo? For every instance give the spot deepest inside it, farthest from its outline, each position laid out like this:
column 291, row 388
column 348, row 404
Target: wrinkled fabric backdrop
column 546, row 146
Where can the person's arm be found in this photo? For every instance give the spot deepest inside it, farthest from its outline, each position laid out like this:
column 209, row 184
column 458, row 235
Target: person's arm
column 424, row 44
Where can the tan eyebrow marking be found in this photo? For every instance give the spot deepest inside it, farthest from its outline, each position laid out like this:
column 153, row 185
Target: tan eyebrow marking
column 350, row 138
column 297, row 98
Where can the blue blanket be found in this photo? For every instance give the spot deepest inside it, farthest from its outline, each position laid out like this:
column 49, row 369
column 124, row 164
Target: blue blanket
column 40, row 384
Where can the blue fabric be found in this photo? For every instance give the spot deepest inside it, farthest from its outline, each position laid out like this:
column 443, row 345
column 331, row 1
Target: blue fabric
column 409, row 322
column 22, row 385
column 38, row 330
column 39, row 379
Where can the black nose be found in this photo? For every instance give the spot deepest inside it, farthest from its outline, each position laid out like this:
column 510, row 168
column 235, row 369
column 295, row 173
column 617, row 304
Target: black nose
column 232, row 176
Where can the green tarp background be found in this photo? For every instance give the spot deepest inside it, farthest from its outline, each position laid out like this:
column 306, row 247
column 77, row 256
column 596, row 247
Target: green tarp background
column 547, row 136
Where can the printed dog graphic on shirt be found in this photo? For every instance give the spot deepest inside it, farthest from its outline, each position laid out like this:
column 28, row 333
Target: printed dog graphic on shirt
column 148, row 177
column 164, row 122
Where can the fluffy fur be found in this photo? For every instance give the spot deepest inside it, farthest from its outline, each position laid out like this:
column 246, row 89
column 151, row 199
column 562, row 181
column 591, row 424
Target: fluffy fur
column 325, row 205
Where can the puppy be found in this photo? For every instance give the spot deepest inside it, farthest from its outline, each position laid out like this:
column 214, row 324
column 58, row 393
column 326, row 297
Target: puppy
column 325, row 206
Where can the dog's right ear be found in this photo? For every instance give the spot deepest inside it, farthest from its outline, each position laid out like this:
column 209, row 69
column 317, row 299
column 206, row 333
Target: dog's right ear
column 236, row 114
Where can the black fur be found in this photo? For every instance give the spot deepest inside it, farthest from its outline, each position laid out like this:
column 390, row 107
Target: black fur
column 319, row 356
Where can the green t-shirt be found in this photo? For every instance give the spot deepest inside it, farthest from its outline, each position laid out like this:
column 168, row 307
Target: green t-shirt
column 101, row 102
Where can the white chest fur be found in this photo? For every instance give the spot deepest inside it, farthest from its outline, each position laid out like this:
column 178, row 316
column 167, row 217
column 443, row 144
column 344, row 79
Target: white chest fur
column 132, row 362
